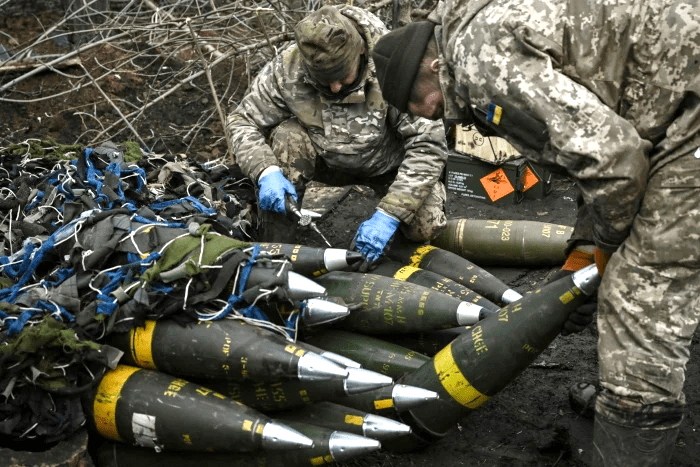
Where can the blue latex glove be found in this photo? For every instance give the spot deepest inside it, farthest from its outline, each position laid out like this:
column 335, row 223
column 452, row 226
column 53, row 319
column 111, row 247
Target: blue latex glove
column 373, row 235
column 273, row 188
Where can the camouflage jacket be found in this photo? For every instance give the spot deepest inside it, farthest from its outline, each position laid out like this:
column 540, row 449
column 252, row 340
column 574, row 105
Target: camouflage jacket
column 360, row 134
column 593, row 87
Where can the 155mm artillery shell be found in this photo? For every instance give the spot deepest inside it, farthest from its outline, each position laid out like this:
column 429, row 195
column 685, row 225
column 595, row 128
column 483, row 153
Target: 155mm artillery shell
column 341, row 445
column 506, row 242
column 347, row 419
column 389, row 401
column 270, row 397
column 224, row 349
column 433, row 281
column 329, row 447
column 372, row 353
column 155, row 410
column 481, row 362
column 453, row 266
column 313, row 262
column 392, row 306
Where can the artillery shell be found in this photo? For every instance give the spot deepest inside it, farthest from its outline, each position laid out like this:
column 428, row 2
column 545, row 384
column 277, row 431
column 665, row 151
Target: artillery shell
column 453, row 266
column 155, row 410
column 347, row 419
column 433, row 281
column 506, row 243
column 390, row 306
column 329, row 447
column 389, row 400
column 270, row 397
column 481, row 362
column 224, row 349
column 372, row 353
column 313, row 262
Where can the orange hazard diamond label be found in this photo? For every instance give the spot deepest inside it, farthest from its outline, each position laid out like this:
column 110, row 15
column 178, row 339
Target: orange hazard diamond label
column 497, row 185
column 529, row 179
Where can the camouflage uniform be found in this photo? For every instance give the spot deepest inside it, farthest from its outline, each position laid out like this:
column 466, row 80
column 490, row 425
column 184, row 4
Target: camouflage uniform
column 358, row 138
column 608, row 90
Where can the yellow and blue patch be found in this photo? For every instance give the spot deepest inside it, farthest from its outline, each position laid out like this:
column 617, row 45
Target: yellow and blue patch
column 494, row 114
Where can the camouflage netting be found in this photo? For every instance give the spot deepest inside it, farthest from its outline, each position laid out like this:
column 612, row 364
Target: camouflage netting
column 96, row 241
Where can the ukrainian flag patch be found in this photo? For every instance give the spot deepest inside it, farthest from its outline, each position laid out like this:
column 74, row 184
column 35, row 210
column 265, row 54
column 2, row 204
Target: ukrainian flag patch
column 494, row 114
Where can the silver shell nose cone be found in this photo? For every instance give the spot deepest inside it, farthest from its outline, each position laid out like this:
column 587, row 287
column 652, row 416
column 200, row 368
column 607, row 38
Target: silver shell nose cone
column 587, row 279
column 313, row 367
column 378, row 427
column 318, row 311
column 468, row 313
column 345, row 446
column 409, row 397
column 340, row 360
column 276, row 436
column 361, row 380
column 301, row 288
column 510, row 296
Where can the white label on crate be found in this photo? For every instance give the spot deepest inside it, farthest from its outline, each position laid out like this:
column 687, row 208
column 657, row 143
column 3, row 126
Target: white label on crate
column 491, row 149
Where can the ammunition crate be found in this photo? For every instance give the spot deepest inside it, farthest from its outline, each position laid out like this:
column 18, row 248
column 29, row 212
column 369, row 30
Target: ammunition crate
column 537, row 181
column 488, row 183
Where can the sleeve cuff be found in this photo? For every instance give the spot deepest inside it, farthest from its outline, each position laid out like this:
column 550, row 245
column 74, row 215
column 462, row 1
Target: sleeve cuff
column 272, row 168
column 388, row 215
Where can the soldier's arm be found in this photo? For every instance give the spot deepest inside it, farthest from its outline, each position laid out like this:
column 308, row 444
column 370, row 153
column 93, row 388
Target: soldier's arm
column 600, row 149
column 426, row 154
column 262, row 108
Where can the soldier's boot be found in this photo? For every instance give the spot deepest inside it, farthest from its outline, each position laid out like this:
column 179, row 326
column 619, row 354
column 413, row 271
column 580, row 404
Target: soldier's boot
column 582, row 397
column 645, row 439
column 278, row 228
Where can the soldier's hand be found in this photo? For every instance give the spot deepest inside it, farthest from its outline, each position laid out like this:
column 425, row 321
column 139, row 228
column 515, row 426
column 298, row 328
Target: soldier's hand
column 580, row 318
column 373, row 235
column 274, row 187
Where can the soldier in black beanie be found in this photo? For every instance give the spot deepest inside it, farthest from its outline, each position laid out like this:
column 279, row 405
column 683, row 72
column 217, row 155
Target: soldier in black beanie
column 607, row 92
column 398, row 56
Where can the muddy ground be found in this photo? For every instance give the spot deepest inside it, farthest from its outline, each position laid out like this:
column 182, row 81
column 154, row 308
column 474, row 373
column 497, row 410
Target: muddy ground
column 530, row 423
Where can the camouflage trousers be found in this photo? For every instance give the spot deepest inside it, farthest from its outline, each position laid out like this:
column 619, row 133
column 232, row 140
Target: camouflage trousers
column 300, row 163
column 648, row 302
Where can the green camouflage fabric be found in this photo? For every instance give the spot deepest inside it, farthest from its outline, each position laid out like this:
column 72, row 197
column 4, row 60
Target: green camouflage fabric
column 616, row 85
column 648, row 304
column 298, row 161
column 359, row 134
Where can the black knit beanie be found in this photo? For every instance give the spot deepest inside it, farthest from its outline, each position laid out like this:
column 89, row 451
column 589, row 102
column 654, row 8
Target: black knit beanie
column 397, row 56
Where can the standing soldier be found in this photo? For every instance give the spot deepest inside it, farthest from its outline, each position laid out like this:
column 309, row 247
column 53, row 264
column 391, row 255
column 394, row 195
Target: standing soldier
column 316, row 112
column 609, row 91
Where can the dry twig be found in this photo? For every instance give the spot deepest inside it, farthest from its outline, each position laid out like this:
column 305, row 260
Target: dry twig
column 158, row 54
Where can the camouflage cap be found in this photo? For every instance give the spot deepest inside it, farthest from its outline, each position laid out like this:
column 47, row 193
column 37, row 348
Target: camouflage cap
column 329, row 42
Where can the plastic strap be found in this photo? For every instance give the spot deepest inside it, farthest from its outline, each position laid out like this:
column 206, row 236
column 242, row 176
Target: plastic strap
column 191, row 199
column 18, row 324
